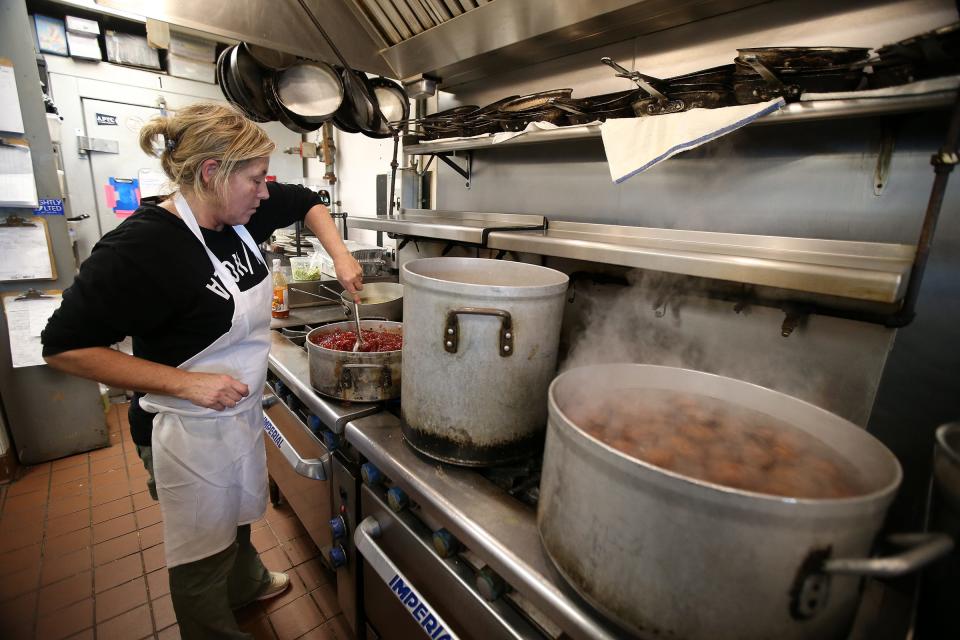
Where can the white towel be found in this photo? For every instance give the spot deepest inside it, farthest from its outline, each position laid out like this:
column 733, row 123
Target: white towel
column 636, row 144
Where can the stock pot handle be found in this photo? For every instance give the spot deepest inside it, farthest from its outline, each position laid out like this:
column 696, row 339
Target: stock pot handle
column 364, row 537
column 924, row 548
column 451, row 329
column 313, row 468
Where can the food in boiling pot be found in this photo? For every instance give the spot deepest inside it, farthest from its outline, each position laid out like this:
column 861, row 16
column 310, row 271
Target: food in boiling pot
column 716, row 441
column 340, row 340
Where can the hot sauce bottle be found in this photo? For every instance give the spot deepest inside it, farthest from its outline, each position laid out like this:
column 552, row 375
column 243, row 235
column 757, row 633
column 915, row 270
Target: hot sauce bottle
column 280, row 307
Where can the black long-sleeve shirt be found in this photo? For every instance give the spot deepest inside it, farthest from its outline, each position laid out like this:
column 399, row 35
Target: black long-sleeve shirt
column 152, row 280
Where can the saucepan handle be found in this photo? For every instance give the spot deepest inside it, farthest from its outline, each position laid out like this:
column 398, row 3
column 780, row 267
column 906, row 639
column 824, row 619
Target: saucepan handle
column 451, row 328
column 364, row 537
column 923, row 548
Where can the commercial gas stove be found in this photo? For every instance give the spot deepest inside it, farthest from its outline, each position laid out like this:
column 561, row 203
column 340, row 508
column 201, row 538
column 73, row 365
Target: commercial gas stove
column 420, row 548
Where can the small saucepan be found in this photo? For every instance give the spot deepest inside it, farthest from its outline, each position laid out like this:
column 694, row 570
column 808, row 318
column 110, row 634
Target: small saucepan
column 377, row 300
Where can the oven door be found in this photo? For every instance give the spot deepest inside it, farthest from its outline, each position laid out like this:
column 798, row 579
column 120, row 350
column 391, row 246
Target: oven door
column 299, row 464
column 411, row 592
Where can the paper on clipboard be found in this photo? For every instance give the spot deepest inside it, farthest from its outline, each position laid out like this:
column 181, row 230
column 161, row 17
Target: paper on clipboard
column 26, row 318
column 25, row 250
column 10, row 117
column 17, row 185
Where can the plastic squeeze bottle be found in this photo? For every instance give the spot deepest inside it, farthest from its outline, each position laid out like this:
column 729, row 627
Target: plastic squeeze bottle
column 280, row 307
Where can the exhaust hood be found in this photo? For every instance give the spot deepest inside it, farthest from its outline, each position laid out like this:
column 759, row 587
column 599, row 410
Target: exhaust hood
column 455, row 41
column 458, row 41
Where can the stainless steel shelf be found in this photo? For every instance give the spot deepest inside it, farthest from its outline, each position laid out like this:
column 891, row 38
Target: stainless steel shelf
column 460, row 226
column 794, row 112
column 872, row 271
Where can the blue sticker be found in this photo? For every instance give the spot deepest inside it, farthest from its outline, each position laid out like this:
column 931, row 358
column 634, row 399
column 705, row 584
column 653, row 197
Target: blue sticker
column 53, row 207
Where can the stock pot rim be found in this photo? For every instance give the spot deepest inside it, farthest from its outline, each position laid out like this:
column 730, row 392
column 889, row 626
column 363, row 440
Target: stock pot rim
column 558, row 281
column 567, row 428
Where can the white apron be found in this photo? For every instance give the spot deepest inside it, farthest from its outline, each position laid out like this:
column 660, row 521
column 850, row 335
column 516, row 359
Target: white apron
column 210, row 466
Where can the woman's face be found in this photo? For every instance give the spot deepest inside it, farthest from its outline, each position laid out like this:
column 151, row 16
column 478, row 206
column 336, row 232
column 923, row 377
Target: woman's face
column 246, row 187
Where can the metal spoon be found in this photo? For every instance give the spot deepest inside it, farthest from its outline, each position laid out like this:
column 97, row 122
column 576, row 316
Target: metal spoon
column 356, row 317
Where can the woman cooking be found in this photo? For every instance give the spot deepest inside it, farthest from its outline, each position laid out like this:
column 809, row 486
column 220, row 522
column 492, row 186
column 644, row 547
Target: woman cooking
column 186, row 280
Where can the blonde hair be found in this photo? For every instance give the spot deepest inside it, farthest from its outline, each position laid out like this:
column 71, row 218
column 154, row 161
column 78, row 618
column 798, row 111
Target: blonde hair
column 200, row 132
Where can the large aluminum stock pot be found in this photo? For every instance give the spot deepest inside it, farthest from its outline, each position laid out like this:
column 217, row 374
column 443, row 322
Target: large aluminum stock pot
column 479, row 351
column 669, row 556
column 355, row 377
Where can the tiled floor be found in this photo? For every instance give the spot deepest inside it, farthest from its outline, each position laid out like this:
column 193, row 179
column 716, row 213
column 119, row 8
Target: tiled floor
column 81, row 556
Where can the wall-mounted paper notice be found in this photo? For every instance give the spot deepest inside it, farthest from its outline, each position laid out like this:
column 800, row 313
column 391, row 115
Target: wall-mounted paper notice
column 10, row 117
column 17, row 186
column 153, row 182
column 26, row 318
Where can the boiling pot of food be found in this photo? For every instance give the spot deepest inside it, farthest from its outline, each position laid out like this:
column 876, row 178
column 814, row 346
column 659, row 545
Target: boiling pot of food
column 371, row 375
column 690, row 505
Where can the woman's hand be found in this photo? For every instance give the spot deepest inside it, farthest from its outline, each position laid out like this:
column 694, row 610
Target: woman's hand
column 349, row 272
column 215, row 391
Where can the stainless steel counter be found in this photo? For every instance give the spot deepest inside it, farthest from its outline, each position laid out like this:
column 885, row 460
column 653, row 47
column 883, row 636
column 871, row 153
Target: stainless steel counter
column 496, row 527
column 872, row 271
column 460, row 226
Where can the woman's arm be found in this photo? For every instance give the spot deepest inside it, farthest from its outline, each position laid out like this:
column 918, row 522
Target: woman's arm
column 349, row 272
column 117, row 369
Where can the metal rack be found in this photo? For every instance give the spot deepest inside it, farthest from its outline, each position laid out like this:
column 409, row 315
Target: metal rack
column 794, row 112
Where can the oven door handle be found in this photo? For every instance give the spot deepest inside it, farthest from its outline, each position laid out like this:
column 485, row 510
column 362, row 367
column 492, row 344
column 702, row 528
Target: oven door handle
column 364, row 537
column 313, row 468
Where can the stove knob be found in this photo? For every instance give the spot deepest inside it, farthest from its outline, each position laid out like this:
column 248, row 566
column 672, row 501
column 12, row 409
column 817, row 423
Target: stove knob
column 314, row 423
column 338, row 557
column 338, row 527
column 490, row 585
column 397, row 499
column 444, row 543
column 331, row 440
column 370, row 474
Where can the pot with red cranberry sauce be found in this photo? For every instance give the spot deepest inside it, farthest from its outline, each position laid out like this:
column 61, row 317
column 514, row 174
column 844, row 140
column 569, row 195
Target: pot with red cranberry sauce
column 371, row 375
column 690, row 505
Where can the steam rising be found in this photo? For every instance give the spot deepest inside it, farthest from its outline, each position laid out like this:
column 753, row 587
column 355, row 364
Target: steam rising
column 666, row 319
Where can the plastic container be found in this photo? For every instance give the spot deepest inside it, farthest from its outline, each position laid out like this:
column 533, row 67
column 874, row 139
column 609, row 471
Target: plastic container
column 124, row 48
column 304, row 268
column 191, row 69
column 280, row 307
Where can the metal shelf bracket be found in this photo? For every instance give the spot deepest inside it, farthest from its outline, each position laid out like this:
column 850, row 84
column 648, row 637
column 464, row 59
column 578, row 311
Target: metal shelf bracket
column 465, row 173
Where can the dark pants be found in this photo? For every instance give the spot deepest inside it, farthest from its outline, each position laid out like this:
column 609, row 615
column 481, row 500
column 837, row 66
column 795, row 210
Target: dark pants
column 205, row 592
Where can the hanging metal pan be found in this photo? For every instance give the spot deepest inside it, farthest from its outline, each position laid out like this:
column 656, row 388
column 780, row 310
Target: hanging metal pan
column 287, row 119
column 224, row 77
column 247, row 79
column 270, row 58
column 311, row 91
column 358, row 109
column 394, row 106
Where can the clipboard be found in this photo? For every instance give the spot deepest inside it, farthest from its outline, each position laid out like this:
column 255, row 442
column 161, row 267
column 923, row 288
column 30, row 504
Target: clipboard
column 25, row 252
column 27, row 313
column 18, row 187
